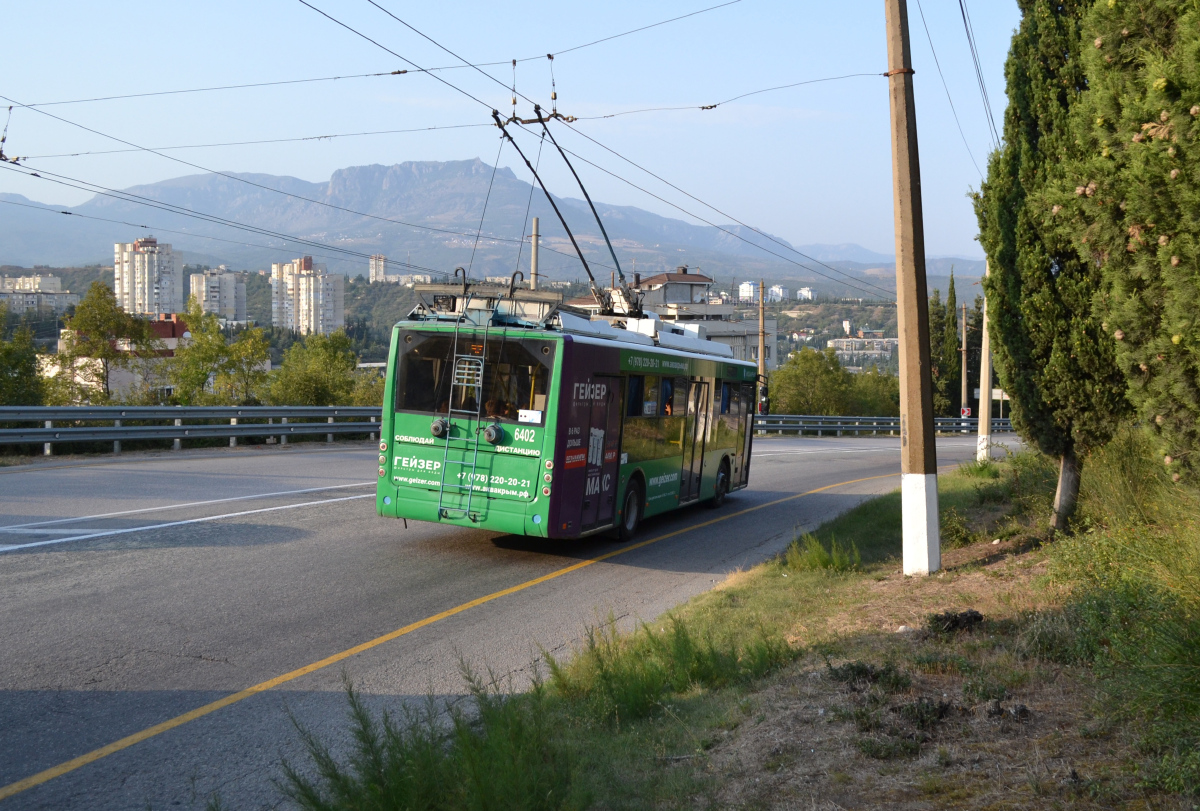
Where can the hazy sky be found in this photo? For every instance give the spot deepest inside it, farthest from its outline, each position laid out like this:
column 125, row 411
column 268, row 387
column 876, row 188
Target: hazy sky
column 811, row 163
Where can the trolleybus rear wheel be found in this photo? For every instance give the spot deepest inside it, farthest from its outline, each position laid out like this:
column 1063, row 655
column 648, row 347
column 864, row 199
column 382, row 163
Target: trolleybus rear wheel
column 631, row 514
column 721, row 488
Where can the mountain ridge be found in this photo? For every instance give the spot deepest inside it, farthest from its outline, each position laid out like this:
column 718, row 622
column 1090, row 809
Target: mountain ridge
column 374, row 208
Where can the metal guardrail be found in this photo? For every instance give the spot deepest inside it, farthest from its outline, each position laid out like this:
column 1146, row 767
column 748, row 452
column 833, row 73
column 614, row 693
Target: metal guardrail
column 244, row 421
column 364, row 419
column 796, row 423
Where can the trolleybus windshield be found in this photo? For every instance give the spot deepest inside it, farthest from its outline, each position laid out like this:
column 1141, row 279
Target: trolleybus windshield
column 515, row 376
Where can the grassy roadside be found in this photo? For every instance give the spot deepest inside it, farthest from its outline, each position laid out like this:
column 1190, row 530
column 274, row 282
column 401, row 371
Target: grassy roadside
column 1029, row 674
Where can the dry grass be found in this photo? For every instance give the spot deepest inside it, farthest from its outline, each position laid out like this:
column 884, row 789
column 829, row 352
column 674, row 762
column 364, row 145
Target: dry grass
column 980, row 726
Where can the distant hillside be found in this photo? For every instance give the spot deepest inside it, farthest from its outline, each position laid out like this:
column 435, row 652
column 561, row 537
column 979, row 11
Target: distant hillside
column 446, row 197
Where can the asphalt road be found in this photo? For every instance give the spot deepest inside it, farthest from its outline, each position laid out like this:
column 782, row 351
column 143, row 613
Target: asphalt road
column 135, row 590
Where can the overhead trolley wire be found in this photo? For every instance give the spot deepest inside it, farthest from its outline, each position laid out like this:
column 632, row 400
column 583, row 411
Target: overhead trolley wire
column 726, row 101
column 854, row 283
column 218, row 87
column 378, row 44
column 483, row 213
column 987, row 102
column 153, row 228
column 251, row 182
column 942, row 76
column 328, row 137
column 129, row 197
column 848, row 281
column 643, row 28
column 368, row 75
column 528, row 206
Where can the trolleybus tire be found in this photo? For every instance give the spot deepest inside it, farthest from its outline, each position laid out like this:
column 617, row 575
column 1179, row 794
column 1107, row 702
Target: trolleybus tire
column 631, row 514
column 721, row 489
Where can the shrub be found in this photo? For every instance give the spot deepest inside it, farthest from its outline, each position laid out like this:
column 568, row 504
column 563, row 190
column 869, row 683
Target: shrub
column 955, row 533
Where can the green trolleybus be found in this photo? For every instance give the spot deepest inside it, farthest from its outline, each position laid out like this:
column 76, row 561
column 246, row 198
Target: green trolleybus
column 510, row 411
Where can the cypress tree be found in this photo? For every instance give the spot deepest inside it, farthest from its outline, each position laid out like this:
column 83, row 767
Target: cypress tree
column 937, row 340
column 1132, row 202
column 1051, row 354
column 950, row 379
column 975, row 352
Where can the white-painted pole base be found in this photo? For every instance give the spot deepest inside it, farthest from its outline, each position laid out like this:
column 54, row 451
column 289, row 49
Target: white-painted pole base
column 983, row 448
column 922, row 541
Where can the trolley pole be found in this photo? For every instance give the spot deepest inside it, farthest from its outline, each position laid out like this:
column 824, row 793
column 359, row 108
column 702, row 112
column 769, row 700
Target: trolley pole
column 533, row 257
column 762, row 344
column 918, row 456
column 983, row 445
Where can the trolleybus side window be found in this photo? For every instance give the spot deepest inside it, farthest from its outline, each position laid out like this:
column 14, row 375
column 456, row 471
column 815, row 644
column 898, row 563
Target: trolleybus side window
column 650, row 396
column 725, row 397
column 516, row 377
column 633, row 407
column 679, row 407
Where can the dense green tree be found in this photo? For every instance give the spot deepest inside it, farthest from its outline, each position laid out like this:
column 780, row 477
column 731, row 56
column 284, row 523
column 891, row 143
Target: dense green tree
column 100, row 338
column 318, row 371
column 811, row 382
column 198, row 357
column 875, row 393
column 243, row 374
column 1052, row 356
column 1132, row 203
column 815, row 383
column 20, row 383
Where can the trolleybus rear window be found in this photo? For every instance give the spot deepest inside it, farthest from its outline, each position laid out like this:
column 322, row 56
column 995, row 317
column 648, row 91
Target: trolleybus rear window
column 513, row 387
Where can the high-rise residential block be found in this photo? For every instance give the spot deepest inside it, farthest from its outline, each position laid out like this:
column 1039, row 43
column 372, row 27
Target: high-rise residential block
column 146, row 277
column 221, row 293
column 306, row 298
column 378, row 269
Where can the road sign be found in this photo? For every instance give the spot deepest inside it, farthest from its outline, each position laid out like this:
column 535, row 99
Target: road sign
column 966, row 412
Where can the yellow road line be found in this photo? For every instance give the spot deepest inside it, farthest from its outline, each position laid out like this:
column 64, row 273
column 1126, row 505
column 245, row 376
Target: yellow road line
column 179, row 720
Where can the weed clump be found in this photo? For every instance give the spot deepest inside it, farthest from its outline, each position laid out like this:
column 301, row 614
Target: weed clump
column 980, row 469
column 501, row 756
column 888, row 748
column 809, row 553
column 860, row 674
column 620, row 677
column 949, row 622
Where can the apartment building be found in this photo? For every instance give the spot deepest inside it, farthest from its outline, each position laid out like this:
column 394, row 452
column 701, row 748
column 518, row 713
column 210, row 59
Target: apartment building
column 377, row 270
column 147, row 278
column 221, row 293
column 24, row 294
column 307, row 298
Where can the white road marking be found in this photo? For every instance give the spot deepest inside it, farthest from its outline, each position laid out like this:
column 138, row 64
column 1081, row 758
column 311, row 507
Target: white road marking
column 757, row 454
column 148, row 527
column 185, row 504
column 13, row 531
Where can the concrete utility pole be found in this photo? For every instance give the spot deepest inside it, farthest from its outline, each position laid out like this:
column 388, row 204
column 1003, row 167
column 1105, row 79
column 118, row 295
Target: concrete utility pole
column 533, row 257
column 963, row 350
column 762, row 341
column 918, row 456
column 983, row 446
